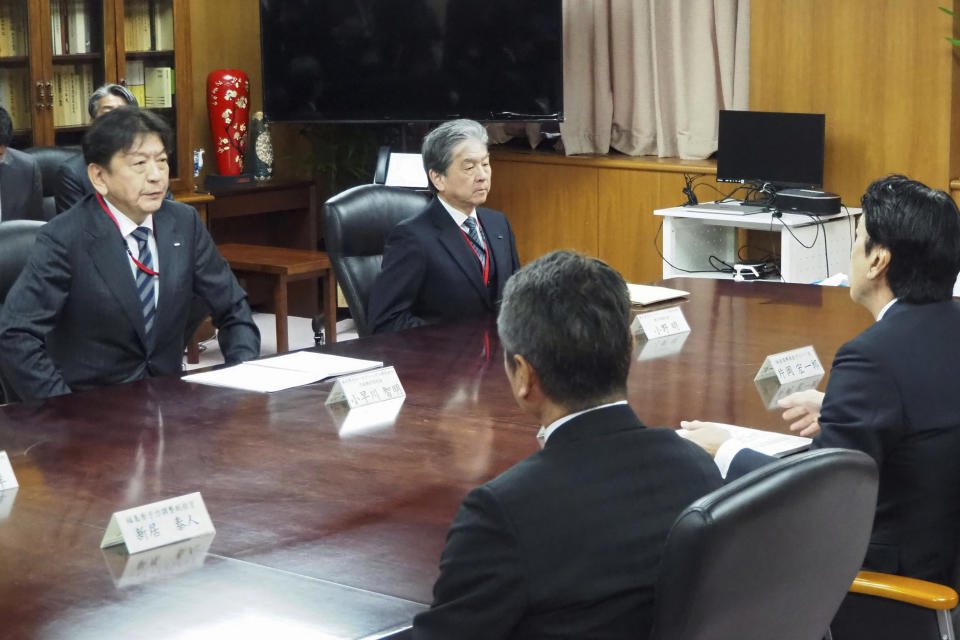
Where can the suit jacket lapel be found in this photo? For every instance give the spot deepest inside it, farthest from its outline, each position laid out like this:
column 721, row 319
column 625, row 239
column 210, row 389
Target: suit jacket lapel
column 108, row 255
column 171, row 250
column 451, row 238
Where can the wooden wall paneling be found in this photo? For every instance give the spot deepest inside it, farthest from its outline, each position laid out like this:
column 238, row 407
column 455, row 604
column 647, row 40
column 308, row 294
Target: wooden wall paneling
column 549, row 206
column 880, row 70
column 225, row 34
column 627, row 224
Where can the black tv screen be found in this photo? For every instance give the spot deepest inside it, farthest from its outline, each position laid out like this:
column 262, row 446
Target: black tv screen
column 783, row 149
column 412, row 60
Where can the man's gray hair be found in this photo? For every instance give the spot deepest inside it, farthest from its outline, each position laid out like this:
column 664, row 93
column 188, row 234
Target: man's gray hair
column 438, row 145
column 109, row 89
column 568, row 315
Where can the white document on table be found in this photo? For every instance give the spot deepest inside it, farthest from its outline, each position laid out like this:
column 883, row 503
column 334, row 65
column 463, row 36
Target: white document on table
column 648, row 294
column 768, row 442
column 282, row 372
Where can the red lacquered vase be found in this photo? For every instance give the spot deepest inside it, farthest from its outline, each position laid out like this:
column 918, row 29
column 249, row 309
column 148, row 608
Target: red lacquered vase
column 228, row 105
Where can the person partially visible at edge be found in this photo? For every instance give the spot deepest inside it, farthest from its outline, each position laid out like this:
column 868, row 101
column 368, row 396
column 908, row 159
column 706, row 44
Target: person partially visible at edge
column 892, row 392
column 21, row 190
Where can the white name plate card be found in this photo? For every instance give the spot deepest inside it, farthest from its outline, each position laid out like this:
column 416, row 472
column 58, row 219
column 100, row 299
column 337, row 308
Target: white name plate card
column 7, row 498
column 660, row 324
column 369, row 387
column 158, row 524
column 7, row 478
column 790, row 366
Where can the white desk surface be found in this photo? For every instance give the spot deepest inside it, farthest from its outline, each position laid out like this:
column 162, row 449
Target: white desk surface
column 762, row 221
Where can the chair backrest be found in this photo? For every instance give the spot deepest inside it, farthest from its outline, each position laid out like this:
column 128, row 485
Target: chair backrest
column 771, row 555
column 49, row 160
column 16, row 242
column 356, row 224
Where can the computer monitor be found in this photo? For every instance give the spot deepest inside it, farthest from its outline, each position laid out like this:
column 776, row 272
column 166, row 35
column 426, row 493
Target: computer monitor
column 781, row 149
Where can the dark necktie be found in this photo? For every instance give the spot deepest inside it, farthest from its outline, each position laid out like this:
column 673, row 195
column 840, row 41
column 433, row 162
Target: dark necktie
column 145, row 281
column 474, row 234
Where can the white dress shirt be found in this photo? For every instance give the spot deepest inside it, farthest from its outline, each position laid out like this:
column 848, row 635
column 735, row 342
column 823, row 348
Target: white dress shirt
column 545, row 432
column 127, row 227
column 459, row 218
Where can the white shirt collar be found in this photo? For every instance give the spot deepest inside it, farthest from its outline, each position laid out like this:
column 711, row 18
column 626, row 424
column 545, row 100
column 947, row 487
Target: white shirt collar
column 886, row 308
column 458, row 216
column 544, row 434
column 127, row 225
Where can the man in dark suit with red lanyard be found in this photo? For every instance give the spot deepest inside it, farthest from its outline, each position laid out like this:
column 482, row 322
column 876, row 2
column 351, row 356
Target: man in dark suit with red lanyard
column 567, row 543
column 452, row 260
column 105, row 295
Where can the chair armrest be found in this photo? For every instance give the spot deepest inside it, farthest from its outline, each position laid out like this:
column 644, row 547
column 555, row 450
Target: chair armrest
column 921, row 593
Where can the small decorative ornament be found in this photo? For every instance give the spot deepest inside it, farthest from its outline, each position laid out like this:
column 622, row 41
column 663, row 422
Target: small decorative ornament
column 262, row 147
column 197, row 162
column 228, row 106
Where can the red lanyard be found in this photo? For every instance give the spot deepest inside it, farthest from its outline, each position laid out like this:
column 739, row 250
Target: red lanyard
column 139, row 264
column 486, row 263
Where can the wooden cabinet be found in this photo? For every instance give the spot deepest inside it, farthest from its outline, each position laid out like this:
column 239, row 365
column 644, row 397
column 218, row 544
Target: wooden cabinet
column 53, row 53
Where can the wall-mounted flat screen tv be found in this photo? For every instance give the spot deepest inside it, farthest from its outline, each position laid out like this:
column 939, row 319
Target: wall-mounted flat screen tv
column 412, row 60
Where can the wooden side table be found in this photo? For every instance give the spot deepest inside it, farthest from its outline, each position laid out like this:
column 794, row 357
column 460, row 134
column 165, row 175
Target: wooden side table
column 284, row 265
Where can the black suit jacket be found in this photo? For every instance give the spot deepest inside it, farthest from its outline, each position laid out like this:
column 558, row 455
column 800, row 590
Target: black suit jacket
column 21, row 193
column 430, row 274
column 894, row 394
column 73, row 183
column 567, row 543
column 73, row 320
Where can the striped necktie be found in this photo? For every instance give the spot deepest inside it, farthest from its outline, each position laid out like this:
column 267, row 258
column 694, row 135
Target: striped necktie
column 474, row 234
column 145, row 281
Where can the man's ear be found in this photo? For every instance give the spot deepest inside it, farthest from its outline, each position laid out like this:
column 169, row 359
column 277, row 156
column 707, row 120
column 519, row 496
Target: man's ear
column 525, row 378
column 879, row 262
column 95, row 174
column 438, row 179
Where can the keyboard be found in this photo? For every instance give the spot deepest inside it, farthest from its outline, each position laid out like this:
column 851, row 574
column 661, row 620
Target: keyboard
column 729, row 208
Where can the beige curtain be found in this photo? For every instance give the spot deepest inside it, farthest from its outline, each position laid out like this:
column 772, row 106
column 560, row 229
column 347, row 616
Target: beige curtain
column 647, row 77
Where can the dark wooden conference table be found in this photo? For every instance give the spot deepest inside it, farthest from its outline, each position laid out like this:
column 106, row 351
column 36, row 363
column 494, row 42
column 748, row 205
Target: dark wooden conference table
column 328, row 527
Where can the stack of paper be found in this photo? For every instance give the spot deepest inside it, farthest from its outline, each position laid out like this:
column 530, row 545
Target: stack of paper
column 768, row 442
column 282, row 372
column 647, row 294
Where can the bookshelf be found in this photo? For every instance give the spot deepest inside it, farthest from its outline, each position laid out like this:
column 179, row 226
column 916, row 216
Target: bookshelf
column 54, row 53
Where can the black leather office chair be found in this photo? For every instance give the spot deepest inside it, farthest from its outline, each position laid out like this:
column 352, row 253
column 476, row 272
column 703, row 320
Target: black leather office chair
column 16, row 241
column 49, row 159
column 356, row 224
column 770, row 555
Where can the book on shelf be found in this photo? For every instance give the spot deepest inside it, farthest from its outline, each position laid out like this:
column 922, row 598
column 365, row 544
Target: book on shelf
column 55, row 25
column 6, row 27
column 163, row 25
column 135, row 80
column 158, row 87
column 136, row 25
column 78, row 27
column 20, row 29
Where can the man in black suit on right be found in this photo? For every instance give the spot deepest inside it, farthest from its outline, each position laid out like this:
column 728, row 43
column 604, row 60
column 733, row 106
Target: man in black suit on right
column 567, row 543
column 893, row 391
